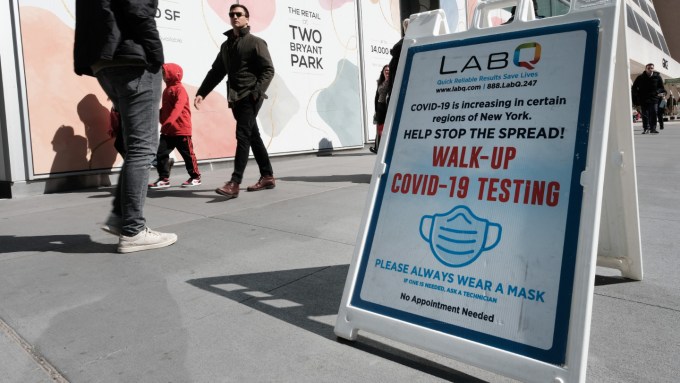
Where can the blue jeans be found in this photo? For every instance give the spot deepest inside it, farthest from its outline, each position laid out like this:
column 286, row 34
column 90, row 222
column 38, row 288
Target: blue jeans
column 136, row 93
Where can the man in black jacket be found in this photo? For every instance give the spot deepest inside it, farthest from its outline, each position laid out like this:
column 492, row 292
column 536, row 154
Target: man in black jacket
column 395, row 52
column 646, row 90
column 118, row 43
column 245, row 59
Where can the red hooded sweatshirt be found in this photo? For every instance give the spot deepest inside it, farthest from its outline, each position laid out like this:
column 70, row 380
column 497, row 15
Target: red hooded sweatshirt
column 175, row 116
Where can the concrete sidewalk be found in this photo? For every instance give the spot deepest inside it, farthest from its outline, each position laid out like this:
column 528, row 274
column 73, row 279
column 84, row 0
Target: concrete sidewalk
column 251, row 290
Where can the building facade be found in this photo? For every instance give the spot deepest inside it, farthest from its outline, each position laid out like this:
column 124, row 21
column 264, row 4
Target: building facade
column 328, row 56
column 647, row 42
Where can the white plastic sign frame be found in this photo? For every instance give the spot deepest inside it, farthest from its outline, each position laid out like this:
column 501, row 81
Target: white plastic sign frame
column 406, row 286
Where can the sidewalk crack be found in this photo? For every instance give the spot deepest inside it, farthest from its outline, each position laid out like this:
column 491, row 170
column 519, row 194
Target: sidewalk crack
column 40, row 360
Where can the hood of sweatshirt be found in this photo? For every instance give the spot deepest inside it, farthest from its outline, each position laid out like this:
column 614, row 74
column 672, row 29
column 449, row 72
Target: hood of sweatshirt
column 172, row 74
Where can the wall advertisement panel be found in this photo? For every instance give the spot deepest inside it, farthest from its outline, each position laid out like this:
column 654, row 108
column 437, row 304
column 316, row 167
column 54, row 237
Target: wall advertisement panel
column 314, row 100
column 381, row 29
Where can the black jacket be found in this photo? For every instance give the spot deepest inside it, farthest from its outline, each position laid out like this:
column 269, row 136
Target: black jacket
column 110, row 30
column 646, row 89
column 246, row 61
column 394, row 63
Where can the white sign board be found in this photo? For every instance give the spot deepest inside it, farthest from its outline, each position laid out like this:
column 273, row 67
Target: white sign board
column 483, row 207
column 477, row 223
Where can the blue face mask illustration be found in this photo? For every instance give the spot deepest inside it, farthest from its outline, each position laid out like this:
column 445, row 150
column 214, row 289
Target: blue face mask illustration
column 458, row 237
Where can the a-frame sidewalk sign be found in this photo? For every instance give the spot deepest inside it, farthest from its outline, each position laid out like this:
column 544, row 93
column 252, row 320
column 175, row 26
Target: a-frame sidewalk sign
column 508, row 154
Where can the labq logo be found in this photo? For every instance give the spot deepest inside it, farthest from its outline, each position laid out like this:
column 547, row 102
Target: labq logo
column 527, row 64
column 493, row 61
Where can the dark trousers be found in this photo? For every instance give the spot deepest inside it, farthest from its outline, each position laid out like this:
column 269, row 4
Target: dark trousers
column 247, row 138
column 659, row 116
column 649, row 113
column 185, row 147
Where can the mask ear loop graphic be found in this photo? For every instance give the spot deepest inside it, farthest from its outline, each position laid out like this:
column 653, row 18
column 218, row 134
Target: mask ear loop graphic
column 499, row 231
column 426, row 221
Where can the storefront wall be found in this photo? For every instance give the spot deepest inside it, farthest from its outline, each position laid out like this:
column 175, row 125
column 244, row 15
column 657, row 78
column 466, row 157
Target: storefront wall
column 327, row 54
column 57, row 123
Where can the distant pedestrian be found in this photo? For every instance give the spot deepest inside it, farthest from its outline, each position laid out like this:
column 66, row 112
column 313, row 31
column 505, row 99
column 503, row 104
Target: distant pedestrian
column 646, row 91
column 118, row 43
column 380, row 103
column 661, row 111
column 244, row 59
column 175, row 118
column 396, row 53
column 513, row 10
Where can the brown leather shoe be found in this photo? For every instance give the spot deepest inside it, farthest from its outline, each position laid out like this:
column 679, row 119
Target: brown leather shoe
column 229, row 190
column 266, row 182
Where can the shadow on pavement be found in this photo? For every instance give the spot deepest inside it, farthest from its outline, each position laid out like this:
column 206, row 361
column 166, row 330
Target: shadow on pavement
column 336, row 154
column 300, row 295
column 176, row 191
column 603, row 280
column 354, row 178
column 71, row 244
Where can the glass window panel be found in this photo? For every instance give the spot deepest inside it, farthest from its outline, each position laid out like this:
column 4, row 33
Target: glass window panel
column 643, row 27
column 664, row 47
column 561, row 7
column 653, row 12
column 632, row 24
column 645, row 7
column 655, row 36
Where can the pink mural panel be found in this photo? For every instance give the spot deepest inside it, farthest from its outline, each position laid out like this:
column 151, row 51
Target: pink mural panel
column 69, row 114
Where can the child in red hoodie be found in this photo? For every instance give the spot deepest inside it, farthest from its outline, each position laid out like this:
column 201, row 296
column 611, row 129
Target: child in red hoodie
column 175, row 118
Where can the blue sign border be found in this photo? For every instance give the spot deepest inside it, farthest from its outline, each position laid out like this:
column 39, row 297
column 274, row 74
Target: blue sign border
column 557, row 353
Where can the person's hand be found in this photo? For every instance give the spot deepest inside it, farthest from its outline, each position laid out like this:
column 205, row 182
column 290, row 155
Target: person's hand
column 197, row 102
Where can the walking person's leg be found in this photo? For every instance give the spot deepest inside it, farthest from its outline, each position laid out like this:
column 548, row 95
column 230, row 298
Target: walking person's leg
column 244, row 115
column 257, row 145
column 378, row 136
column 376, row 142
column 165, row 147
column 242, row 112
column 114, row 222
column 138, row 100
column 163, row 162
column 185, row 147
column 653, row 111
column 136, row 92
column 644, row 111
column 266, row 180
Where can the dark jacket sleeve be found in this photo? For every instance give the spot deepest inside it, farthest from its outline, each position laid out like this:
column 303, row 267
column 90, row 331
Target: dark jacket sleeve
column 266, row 69
column 215, row 75
column 394, row 64
column 635, row 91
column 95, row 31
column 120, row 29
column 661, row 88
column 140, row 25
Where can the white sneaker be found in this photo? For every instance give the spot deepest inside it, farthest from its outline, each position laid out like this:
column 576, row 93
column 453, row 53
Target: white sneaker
column 161, row 183
column 146, row 239
column 113, row 224
column 191, row 182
